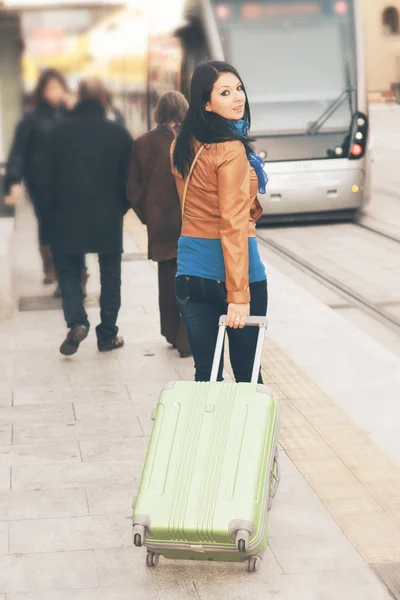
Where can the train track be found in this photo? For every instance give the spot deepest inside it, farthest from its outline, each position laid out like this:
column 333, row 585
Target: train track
column 369, row 227
column 352, row 297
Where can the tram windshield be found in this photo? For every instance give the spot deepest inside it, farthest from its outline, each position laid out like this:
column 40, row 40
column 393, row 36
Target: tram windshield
column 297, row 59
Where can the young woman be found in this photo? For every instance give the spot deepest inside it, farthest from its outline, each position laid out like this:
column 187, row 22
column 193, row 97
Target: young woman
column 219, row 266
column 152, row 193
column 28, row 156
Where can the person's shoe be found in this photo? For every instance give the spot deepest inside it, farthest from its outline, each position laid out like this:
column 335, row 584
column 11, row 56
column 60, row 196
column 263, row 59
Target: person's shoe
column 116, row 343
column 75, row 336
column 187, row 354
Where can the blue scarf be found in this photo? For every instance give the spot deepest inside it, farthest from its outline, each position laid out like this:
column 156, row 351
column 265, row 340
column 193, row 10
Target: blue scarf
column 241, row 128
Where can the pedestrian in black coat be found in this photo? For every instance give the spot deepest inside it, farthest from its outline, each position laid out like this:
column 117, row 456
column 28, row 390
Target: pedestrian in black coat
column 88, row 170
column 27, row 161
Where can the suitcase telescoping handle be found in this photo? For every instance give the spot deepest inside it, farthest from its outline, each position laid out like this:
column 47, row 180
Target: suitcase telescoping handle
column 261, row 323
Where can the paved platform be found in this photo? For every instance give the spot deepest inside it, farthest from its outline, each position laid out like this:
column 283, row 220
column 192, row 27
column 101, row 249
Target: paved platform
column 73, row 436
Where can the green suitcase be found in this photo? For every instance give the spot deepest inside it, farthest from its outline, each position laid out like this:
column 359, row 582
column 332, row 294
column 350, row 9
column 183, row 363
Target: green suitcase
column 211, row 469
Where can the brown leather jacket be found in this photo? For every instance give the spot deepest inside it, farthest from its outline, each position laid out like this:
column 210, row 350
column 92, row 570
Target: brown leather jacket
column 221, row 203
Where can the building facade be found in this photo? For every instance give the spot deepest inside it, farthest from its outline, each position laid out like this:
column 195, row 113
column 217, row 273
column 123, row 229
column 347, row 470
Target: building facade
column 382, row 44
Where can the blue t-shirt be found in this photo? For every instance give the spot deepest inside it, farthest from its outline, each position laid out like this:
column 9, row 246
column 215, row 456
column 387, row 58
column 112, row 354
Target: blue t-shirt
column 202, row 257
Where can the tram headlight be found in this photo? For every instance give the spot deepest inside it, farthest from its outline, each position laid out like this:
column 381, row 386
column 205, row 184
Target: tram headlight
column 338, row 151
column 356, row 150
column 360, row 122
column 355, row 189
column 359, row 135
column 262, row 154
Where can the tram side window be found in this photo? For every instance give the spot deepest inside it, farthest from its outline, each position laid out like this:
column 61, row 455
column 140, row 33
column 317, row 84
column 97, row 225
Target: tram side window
column 390, row 20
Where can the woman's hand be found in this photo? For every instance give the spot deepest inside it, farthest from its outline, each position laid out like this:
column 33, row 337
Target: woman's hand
column 14, row 195
column 236, row 316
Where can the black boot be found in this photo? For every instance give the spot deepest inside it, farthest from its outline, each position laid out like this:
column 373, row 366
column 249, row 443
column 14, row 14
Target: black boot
column 75, row 336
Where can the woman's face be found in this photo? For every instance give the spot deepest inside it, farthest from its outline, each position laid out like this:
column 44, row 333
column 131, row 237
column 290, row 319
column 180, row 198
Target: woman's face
column 227, row 97
column 54, row 93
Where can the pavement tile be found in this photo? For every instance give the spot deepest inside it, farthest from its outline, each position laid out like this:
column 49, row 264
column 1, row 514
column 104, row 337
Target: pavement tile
column 39, row 453
column 43, row 504
column 374, row 535
column 5, row 434
column 317, row 552
column 124, row 567
column 55, row 571
column 3, row 538
column 351, row 506
column 64, row 476
column 6, row 396
column 146, row 424
column 144, row 395
column 5, row 479
column 37, row 414
column 43, row 395
column 295, row 515
column 389, row 441
column 126, row 407
column 132, row 593
column 69, row 534
column 116, row 450
column 98, row 411
column 360, row 584
column 112, row 499
column 102, row 428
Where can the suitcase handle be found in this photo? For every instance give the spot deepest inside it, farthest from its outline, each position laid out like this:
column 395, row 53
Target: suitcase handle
column 262, row 324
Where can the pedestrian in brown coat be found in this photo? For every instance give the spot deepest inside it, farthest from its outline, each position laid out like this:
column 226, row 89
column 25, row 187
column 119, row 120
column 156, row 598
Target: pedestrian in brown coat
column 153, row 195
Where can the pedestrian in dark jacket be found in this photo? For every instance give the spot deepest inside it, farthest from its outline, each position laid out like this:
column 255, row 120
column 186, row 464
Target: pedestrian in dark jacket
column 153, row 195
column 27, row 158
column 89, row 162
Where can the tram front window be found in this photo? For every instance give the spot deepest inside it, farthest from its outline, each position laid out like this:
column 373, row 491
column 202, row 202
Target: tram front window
column 297, row 57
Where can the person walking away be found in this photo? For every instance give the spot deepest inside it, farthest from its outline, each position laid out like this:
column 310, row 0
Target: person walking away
column 217, row 175
column 152, row 193
column 89, row 160
column 27, row 157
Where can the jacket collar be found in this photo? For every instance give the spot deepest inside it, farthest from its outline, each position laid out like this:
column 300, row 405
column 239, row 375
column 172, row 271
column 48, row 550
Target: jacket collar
column 89, row 107
column 46, row 108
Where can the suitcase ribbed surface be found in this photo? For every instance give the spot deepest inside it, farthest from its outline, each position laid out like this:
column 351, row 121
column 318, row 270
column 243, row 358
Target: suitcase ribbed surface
column 222, row 413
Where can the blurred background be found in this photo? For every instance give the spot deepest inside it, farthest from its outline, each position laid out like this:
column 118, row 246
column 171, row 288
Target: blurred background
column 310, row 66
column 323, row 78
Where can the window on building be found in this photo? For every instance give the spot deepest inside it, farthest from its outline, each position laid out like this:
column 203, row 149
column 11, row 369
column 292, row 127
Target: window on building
column 390, row 20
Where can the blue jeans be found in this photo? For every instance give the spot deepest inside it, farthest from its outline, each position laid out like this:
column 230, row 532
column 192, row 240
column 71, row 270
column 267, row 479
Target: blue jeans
column 201, row 303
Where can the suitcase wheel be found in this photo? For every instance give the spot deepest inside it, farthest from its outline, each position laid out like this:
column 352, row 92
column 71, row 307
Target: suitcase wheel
column 242, row 540
column 138, row 533
column 253, row 563
column 152, row 559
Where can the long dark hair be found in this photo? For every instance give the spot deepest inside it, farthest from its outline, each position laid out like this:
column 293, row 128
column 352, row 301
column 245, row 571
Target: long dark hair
column 207, row 127
column 44, row 78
